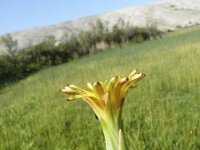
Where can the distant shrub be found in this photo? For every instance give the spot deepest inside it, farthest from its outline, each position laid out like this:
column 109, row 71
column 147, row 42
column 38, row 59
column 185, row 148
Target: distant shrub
column 47, row 53
column 10, row 45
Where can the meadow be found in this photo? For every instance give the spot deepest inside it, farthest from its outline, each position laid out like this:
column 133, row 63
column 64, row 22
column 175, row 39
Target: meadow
column 162, row 113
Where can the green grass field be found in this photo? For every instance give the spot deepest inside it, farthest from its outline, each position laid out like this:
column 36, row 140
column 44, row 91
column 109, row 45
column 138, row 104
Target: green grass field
column 162, row 113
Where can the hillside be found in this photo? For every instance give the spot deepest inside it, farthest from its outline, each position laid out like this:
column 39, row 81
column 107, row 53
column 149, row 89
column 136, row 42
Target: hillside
column 161, row 113
column 165, row 15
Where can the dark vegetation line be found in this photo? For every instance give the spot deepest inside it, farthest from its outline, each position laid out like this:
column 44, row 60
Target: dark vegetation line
column 17, row 65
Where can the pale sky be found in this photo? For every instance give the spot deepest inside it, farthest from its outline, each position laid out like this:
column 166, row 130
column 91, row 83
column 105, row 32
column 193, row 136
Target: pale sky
column 18, row 15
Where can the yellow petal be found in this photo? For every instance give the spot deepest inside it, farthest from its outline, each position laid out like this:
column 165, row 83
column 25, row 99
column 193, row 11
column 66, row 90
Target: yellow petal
column 124, row 80
column 99, row 89
column 89, row 85
column 74, row 97
column 75, row 88
column 132, row 81
column 96, row 105
column 112, row 89
column 120, row 91
column 67, row 90
column 132, row 73
column 137, row 77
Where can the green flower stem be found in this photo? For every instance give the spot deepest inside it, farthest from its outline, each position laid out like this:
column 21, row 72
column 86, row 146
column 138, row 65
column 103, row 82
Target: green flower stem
column 113, row 132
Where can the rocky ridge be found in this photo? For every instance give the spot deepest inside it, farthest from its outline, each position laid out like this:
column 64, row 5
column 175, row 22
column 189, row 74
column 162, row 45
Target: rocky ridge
column 165, row 15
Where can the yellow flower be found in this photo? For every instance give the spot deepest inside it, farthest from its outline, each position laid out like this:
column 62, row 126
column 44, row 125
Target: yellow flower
column 102, row 95
column 106, row 99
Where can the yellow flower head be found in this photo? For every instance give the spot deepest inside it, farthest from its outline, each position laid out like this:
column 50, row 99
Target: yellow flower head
column 104, row 96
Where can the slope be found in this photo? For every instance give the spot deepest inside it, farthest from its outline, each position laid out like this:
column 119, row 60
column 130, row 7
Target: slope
column 161, row 113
